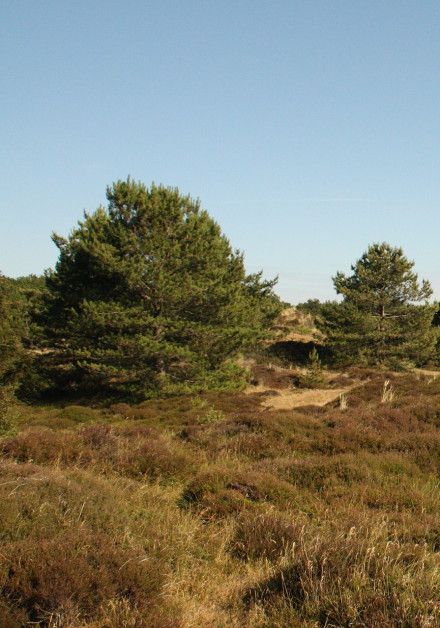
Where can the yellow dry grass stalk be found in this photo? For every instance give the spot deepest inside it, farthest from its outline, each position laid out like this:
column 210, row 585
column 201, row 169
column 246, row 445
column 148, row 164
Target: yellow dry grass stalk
column 343, row 401
column 387, row 392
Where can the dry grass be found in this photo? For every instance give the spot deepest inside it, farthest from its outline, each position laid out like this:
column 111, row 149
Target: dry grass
column 352, row 577
column 217, row 512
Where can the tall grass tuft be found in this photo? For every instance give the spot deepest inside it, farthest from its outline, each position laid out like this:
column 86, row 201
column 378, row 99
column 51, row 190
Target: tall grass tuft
column 387, row 392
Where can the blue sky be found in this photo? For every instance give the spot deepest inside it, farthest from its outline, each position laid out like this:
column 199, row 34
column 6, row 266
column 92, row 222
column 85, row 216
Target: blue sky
column 308, row 129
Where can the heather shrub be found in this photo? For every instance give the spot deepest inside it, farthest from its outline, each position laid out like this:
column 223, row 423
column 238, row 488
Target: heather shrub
column 44, row 446
column 236, row 437
column 134, row 452
column 78, row 571
column 252, row 445
column 227, row 491
column 72, row 524
column 152, row 458
column 317, row 473
column 211, row 496
column 97, row 436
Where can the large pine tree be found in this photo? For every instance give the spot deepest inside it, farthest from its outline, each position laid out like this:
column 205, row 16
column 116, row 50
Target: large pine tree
column 384, row 317
column 148, row 296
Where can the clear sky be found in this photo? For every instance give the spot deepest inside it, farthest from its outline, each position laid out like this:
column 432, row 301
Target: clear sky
column 308, row 129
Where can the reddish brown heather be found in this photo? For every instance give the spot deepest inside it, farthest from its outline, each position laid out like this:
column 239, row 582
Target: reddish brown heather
column 216, row 511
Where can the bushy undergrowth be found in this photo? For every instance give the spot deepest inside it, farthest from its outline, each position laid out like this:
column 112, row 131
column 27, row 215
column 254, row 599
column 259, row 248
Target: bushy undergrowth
column 216, row 511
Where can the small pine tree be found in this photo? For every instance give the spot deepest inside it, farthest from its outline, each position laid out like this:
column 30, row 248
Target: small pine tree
column 385, row 316
column 313, row 376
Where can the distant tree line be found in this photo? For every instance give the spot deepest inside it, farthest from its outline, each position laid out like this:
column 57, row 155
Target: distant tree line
column 148, row 298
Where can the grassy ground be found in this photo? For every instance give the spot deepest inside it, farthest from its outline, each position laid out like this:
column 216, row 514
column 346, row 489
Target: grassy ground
column 216, row 511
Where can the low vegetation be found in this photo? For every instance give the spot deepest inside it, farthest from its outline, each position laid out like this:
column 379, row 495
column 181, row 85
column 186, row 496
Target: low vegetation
column 215, row 511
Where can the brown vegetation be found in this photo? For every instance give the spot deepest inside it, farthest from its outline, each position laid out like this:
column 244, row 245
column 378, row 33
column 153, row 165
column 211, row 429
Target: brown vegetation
column 217, row 511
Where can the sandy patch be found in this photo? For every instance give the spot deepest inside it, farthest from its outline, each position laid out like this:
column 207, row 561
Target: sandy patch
column 288, row 399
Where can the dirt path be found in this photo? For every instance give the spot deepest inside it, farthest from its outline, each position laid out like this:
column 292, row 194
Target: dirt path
column 427, row 373
column 290, row 399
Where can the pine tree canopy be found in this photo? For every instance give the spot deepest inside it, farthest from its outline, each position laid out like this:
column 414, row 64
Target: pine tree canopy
column 148, row 295
column 382, row 282
column 384, row 316
column 13, row 330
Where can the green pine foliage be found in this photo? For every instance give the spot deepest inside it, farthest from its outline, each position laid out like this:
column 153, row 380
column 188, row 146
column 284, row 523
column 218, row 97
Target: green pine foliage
column 384, row 317
column 148, row 297
column 313, row 376
column 31, row 289
column 311, row 306
column 13, row 331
